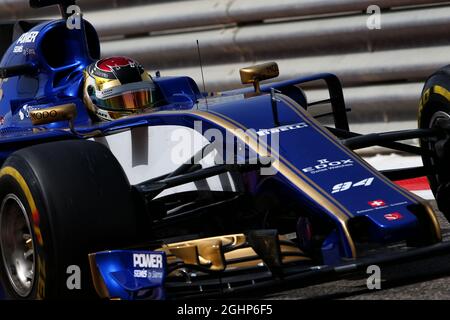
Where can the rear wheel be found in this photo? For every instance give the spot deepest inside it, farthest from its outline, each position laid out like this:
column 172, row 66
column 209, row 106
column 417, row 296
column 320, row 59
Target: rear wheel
column 434, row 110
column 58, row 202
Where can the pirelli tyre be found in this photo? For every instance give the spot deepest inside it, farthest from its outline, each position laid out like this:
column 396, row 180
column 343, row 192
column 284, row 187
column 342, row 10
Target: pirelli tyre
column 60, row 201
column 435, row 106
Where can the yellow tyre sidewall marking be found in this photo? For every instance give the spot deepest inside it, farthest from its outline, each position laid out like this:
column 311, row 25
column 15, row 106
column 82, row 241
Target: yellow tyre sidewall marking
column 12, row 172
column 423, row 101
column 426, row 96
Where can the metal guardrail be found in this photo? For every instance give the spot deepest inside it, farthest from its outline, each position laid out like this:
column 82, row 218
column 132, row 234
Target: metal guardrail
column 354, row 69
column 430, row 26
column 169, row 14
column 379, row 68
column 19, row 9
column 379, row 86
column 200, row 13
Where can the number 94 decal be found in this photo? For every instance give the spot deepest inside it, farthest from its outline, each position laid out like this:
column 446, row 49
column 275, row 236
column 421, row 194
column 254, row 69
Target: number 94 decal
column 350, row 184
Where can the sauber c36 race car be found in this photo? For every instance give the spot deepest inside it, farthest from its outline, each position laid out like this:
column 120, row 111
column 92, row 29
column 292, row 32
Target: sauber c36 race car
column 206, row 195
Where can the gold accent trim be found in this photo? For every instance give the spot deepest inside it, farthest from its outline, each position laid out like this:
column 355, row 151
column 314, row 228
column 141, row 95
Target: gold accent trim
column 211, row 252
column 53, row 114
column 188, row 253
column 437, row 227
column 432, row 215
column 97, row 279
column 104, row 84
column 229, row 239
column 255, row 74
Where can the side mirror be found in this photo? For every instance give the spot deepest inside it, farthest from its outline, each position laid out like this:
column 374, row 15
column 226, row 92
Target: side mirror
column 64, row 112
column 257, row 73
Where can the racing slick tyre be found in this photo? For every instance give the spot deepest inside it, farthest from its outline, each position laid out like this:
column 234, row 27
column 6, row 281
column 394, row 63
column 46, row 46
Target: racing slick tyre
column 434, row 107
column 60, row 201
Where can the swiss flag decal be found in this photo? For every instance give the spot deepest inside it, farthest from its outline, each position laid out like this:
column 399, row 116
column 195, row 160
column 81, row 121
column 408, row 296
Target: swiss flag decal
column 376, row 203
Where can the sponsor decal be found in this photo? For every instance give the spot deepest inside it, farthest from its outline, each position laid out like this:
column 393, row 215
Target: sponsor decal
column 24, row 112
column 150, row 265
column 265, row 132
column 28, row 37
column 143, row 260
column 393, row 216
column 144, row 273
column 325, row 165
column 25, row 51
column 340, row 187
column 40, row 115
column 18, row 49
column 377, row 203
column 103, row 114
column 106, row 92
column 29, row 52
column 381, row 204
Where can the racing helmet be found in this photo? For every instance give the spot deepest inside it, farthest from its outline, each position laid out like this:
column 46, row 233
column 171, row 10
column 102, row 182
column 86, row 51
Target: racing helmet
column 115, row 87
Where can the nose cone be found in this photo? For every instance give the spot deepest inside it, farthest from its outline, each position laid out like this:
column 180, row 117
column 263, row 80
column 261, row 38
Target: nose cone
column 385, row 226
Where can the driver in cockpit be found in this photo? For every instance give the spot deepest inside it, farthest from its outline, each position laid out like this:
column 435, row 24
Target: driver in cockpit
column 116, row 87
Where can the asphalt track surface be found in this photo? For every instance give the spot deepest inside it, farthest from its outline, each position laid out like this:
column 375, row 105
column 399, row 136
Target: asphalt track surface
column 427, row 279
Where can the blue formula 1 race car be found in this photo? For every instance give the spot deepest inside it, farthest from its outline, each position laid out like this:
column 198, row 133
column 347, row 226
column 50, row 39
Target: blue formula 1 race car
column 200, row 195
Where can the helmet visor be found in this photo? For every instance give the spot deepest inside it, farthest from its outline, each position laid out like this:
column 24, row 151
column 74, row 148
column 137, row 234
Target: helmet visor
column 128, row 97
column 135, row 100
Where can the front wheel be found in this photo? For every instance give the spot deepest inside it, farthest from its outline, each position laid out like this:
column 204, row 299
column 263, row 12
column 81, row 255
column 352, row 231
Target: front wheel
column 59, row 202
column 434, row 110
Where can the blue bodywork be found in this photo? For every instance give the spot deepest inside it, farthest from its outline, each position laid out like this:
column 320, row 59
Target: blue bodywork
column 314, row 168
column 128, row 273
